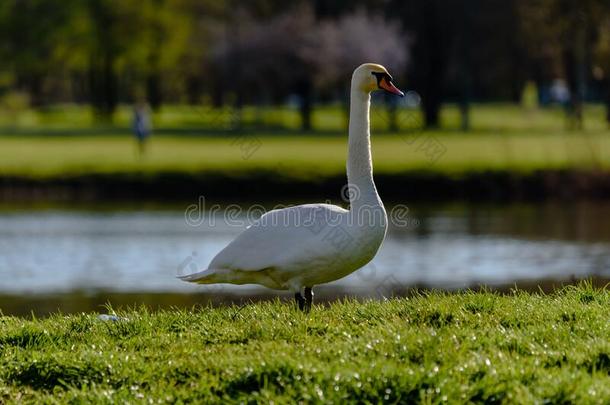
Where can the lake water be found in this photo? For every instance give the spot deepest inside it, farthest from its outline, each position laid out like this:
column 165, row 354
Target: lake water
column 46, row 252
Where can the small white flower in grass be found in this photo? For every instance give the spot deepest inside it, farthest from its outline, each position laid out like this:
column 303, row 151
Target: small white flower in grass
column 319, row 392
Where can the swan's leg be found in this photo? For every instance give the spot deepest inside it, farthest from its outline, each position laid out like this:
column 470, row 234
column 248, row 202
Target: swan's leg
column 308, row 298
column 300, row 300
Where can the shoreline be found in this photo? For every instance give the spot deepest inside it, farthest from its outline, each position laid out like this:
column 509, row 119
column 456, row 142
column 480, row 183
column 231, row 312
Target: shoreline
column 483, row 186
column 83, row 301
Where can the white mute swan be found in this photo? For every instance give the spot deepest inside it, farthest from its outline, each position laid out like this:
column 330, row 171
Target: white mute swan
column 298, row 247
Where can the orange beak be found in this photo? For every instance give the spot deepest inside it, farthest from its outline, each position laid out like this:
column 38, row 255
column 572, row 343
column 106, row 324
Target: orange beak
column 390, row 88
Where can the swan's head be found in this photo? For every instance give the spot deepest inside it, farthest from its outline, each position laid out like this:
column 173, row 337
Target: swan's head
column 369, row 77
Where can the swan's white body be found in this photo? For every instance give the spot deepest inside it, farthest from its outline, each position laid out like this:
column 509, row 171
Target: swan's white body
column 312, row 244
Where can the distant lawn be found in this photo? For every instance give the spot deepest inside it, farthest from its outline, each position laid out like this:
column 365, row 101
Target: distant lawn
column 47, row 143
column 434, row 348
column 488, row 117
column 310, row 156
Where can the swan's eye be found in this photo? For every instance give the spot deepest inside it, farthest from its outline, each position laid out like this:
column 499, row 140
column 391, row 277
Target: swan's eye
column 380, row 76
column 384, row 82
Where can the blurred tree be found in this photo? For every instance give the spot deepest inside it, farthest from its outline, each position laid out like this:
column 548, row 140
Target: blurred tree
column 29, row 43
column 461, row 50
column 565, row 33
column 112, row 28
column 353, row 39
column 325, row 9
column 267, row 59
column 195, row 73
column 601, row 59
column 261, row 51
column 141, row 40
column 165, row 27
column 486, row 57
column 578, row 31
column 430, row 22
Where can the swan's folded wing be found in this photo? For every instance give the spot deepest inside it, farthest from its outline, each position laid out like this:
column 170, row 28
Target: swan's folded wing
column 288, row 235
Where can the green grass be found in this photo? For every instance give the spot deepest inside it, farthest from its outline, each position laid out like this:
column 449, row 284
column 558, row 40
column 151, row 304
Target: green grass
column 329, row 117
column 504, row 137
column 308, row 156
column 431, row 348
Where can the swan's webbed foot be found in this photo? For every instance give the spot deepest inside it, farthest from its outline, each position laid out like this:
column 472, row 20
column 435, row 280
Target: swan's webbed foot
column 308, row 298
column 300, row 301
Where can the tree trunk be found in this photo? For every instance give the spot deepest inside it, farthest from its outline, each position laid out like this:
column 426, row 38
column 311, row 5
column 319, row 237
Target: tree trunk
column 103, row 80
column 607, row 101
column 194, row 90
column 608, row 109
column 153, row 90
column 465, row 116
column 576, row 48
column 431, row 105
column 110, row 100
column 574, row 107
column 392, row 113
column 432, row 50
column 465, row 67
column 304, row 89
column 34, row 85
column 103, row 87
column 237, row 115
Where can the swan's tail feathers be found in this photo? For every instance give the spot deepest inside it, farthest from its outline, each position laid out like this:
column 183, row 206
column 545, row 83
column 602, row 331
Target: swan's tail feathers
column 202, row 277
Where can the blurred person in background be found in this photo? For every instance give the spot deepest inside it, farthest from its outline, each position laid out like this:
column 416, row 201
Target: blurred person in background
column 141, row 125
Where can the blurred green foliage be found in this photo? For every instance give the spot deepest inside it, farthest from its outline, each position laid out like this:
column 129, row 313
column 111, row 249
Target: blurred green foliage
column 264, row 52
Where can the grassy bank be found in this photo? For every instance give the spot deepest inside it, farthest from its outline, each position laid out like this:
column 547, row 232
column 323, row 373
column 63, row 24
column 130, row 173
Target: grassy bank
column 432, row 348
column 301, row 156
column 511, row 152
column 66, row 141
column 491, row 117
column 477, row 166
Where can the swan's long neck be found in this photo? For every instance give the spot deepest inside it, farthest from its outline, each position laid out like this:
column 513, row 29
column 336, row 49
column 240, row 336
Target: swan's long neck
column 359, row 162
